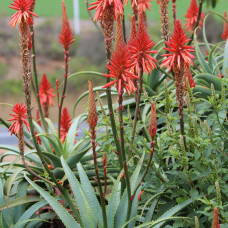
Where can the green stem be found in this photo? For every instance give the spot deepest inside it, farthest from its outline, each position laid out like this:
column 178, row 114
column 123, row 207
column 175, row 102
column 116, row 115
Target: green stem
column 35, row 85
column 98, row 180
column 123, row 152
column 198, row 20
column 26, row 77
column 66, row 57
column 147, row 167
column 137, row 109
column 152, row 166
column 124, row 26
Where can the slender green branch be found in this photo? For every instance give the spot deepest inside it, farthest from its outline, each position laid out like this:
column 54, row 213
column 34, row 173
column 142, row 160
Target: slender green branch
column 35, row 83
column 124, row 26
column 147, row 167
column 198, row 20
column 137, row 109
column 98, row 179
column 123, row 152
column 66, row 57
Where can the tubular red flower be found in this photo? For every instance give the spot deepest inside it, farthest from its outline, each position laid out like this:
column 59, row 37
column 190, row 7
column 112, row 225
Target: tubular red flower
column 191, row 82
column 46, row 92
column 215, row 223
column 153, row 121
column 143, row 5
column 100, row 6
column 121, row 64
column 66, row 37
column 192, row 15
column 140, row 49
column 19, row 118
column 23, row 13
column 225, row 28
column 178, row 51
column 65, row 124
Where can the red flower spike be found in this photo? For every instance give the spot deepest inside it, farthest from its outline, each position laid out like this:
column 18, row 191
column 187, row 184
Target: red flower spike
column 23, row 13
column 101, row 5
column 191, row 82
column 140, row 49
column 92, row 116
column 66, row 37
column 179, row 53
column 46, row 92
column 121, row 64
column 19, row 118
column 225, row 28
column 192, row 15
column 215, row 223
column 143, row 5
column 153, row 121
column 65, row 124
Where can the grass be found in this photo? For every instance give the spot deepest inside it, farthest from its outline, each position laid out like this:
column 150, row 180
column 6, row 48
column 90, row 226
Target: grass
column 52, row 8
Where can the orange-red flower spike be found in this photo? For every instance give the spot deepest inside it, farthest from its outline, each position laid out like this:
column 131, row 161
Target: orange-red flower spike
column 65, row 124
column 66, row 37
column 23, row 13
column 46, row 92
column 19, row 118
column 225, row 28
column 192, row 15
column 179, row 52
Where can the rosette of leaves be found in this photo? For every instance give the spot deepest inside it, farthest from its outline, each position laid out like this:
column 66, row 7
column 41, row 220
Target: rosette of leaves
column 52, row 148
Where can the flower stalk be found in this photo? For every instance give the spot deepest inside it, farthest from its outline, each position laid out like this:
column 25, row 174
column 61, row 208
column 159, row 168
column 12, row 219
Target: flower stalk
column 92, row 120
column 152, row 132
column 66, row 38
column 126, row 174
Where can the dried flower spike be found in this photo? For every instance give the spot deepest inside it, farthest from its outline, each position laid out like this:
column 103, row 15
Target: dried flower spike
column 225, row 28
column 141, row 51
column 23, row 13
column 153, row 121
column 179, row 53
column 164, row 18
column 65, row 124
column 192, row 15
column 19, row 118
column 92, row 116
column 66, row 37
column 102, row 5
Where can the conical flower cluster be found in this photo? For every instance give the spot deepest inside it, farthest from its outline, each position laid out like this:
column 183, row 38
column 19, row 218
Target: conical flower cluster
column 180, row 54
column 140, row 49
column 192, row 15
column 120, row 64
column 65, row 124
column 66, row 37
column 19, row 118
